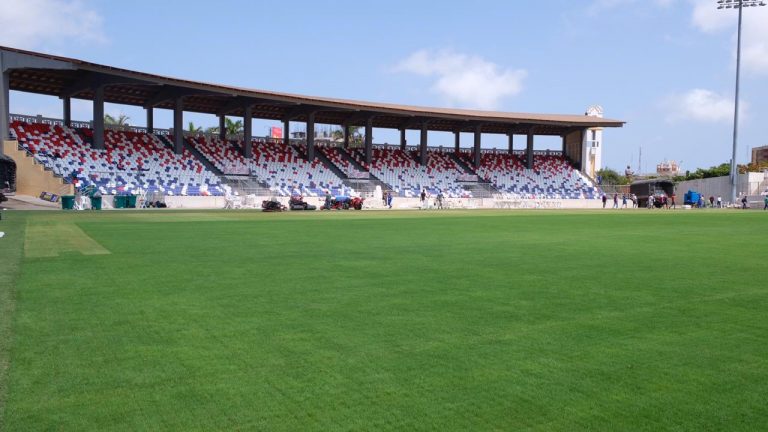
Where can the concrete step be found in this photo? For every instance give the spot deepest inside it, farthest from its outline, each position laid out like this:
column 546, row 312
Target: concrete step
column 201, row 157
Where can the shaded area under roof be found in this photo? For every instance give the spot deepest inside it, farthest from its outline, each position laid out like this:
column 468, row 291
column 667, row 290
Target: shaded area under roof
column 66, row 77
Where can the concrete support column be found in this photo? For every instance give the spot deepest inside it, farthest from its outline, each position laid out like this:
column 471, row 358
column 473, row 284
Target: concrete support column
column 584, row 162
column 66, row 109
column 369, row 140
column 248, row 132
column 178, row 125
column 150, row 120
column 5, row 132
column 311, row 137
column 286, row 131
column 564, row 150
column 529, row 151
column 345, row 130
column 457, row 141
column 403, row 141
column 478, row 141
column 223, row 127
column 511, row 148
column 423, row 156
column 98, row 118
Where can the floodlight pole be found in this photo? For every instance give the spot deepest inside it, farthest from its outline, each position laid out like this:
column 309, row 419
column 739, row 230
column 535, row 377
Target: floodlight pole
column 740, row 4
column 734, row 170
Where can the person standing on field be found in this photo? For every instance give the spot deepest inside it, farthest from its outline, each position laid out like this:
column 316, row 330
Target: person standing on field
column 765, row 200
column 605, row 200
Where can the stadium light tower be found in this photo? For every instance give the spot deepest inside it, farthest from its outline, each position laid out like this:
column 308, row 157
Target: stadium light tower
column 740, row 5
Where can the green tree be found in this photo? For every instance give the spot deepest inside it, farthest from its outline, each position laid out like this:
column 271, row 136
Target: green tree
column 721, row 170
column 352, row 131
column 233, row 127
column 212, row 130
column 120, row 121
column 193, row 129
column 611, row 177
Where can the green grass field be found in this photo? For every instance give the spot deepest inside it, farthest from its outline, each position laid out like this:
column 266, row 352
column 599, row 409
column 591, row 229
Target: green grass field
column 402, row 321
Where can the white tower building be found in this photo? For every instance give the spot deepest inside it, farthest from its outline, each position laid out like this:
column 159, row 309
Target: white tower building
column 592, row 148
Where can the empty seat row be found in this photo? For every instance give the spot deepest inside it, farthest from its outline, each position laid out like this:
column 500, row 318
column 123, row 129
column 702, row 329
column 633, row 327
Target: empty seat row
column 130, row 163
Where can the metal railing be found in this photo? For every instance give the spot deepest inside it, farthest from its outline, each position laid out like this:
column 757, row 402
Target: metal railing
column 239, row 137
column 77, row 124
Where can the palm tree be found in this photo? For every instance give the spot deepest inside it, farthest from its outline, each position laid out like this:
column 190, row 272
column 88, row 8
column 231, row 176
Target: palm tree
column 120, row 121
column 355, row 137
column 352, row 131
column 213, row 130
column 233, row 127
column 194, row 129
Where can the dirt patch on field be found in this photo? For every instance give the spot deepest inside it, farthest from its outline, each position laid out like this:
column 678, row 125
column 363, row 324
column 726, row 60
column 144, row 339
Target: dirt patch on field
column 50, row 238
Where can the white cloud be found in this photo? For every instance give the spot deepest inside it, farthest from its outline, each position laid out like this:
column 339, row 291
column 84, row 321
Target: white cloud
column 33, row 23
column 708, row 18
column 465, row 80
column 754, row 51
column 701, row 105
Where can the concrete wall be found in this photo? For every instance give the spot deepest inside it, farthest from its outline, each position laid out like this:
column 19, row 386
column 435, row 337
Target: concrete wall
column 179, row 202
column 749, row 183
column 573, row 146
column 31, row 178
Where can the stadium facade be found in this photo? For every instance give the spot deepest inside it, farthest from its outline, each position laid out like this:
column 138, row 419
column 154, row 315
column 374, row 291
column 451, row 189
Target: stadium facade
column 104, row 154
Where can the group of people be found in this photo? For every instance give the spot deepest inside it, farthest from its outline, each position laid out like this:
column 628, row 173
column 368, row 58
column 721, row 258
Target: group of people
column 713, row 202
column 654, row 201
column 424, row 199
column 662, row 201
column 669, row 202
column 624, row 200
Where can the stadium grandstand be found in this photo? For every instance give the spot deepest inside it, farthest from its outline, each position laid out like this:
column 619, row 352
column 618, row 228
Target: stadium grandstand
column 136, row 160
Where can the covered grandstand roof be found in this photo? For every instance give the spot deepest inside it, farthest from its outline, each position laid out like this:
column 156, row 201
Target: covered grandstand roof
column 67, row 77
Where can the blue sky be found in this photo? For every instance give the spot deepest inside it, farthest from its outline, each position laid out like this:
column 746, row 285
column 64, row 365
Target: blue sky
column 664, row 66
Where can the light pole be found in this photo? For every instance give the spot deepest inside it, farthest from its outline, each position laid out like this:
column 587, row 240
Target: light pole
column 737, row 4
